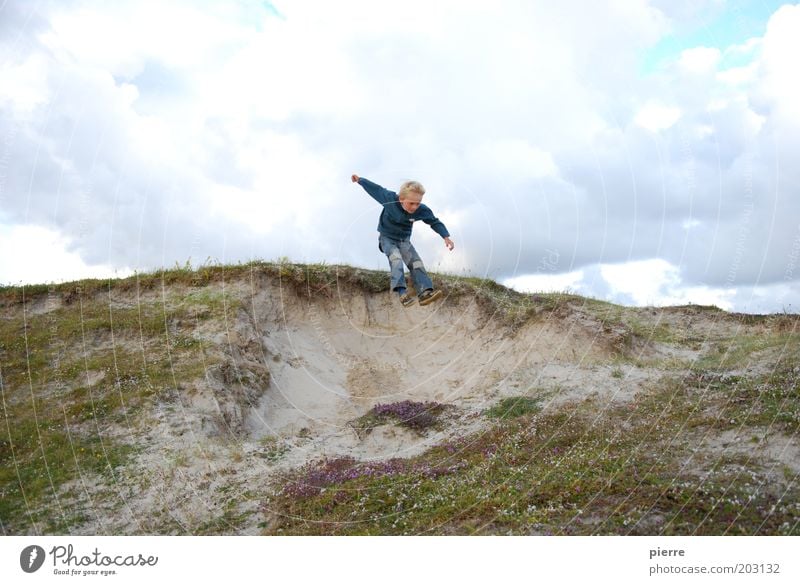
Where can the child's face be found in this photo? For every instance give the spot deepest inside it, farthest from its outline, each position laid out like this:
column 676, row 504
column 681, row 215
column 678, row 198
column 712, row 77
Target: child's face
column 410, row 201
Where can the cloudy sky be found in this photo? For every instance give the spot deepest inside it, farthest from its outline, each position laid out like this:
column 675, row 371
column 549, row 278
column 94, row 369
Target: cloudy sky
column 639, row 151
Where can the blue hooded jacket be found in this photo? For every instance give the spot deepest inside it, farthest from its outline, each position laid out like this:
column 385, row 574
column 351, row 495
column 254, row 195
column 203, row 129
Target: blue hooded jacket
column 395, row 222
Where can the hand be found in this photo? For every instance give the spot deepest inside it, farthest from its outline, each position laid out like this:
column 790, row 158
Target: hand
column 354, row 178
column 449, row 243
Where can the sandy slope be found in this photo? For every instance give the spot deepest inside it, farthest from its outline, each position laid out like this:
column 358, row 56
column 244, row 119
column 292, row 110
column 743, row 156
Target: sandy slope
column 287, row 373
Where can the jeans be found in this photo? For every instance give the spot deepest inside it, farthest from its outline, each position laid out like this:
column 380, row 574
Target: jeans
column 399, row 251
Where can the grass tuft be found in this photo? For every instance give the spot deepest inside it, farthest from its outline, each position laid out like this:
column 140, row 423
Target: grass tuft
column 514, row 407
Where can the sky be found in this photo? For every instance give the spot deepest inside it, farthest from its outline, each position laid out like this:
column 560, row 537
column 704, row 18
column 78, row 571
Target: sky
column 642, row 152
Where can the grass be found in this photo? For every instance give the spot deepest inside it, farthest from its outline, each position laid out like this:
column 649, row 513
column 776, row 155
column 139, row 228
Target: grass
column 38, row 459
column 507, row 306
column 621, row 470
column 304, row 278
column 228, row 522
column 272, row 449
column 55, row 427
column 656, row 325
column 566, row 472
column 52, row 437
column 514, row 407
column 769, row 400
column 738, row 351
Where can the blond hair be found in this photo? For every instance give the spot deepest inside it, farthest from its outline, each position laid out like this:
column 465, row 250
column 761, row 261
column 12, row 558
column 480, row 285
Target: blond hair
column 414, row 186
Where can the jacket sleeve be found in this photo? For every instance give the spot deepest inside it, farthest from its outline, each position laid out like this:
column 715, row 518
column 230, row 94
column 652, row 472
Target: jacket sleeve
column 435, row 223
column 378, row 193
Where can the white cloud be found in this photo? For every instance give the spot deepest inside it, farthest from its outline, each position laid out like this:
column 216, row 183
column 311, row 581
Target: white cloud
column 24, row 86
column 699, row 60
column 41, row 256
column 748, row 49
column 516, row 159
column 744, row 75
column 655, row 116
column 780, row 49
column 643, row 280
column 532, row 283
column 656, row 282
column 777, row 298
column 121, row 37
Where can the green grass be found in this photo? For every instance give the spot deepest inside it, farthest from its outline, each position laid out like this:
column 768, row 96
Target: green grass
column 738, row 351
column 637, row 323
column 36, row 460
column 509, row 307
column 272, row 449
column 514, row 407
column 47, row 441
column 768, row 400
column 54, row 426
column 567, row 472
column 228, row 522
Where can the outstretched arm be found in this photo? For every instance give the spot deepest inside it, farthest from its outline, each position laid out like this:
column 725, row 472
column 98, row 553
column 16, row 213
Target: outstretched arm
column 375, row 191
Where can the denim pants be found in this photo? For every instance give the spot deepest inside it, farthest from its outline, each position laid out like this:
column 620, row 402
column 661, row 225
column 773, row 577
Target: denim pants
column 399, row 251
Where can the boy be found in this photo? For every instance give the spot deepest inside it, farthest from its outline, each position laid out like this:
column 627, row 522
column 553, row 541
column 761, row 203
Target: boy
column 400, row 211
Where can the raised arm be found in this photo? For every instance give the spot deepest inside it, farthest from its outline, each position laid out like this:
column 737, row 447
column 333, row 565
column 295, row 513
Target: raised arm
column 375, row 191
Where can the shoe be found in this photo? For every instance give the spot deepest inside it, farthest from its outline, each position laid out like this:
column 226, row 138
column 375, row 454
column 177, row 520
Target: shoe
column 407, row 300
column 429, row 296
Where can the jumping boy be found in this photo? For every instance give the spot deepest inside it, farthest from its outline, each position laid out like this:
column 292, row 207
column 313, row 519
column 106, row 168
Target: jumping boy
column 400, row 211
